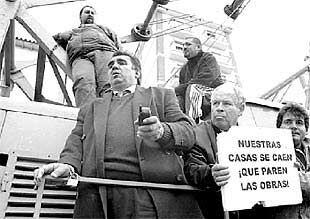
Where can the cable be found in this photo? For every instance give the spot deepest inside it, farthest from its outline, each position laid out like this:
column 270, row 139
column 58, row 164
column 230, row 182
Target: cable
column 166, row 30
column 175, row 71
column 285, row 92
column 137, row 48
column 253, row 116
column 160, row 21
column 168, row 9
column 204, row 23
column 215, row 32
column 181, row 16
column 215, row 40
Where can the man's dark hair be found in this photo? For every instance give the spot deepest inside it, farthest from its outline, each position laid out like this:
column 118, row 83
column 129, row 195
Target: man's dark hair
column 134, row 60
column 86, row 6
column 296, row 109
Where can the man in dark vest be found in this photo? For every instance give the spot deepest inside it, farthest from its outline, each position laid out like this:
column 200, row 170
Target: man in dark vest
column 107, row 142
column 202, row 69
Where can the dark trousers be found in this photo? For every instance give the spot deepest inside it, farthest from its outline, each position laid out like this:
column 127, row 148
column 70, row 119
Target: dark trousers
column 122, row 203
column 90, row 76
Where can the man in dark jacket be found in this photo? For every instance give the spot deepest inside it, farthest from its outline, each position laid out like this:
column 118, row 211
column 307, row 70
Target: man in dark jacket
column 89, row 48
column 295, row 117
column 201, row 167
column 201, row 68
column 107, row 143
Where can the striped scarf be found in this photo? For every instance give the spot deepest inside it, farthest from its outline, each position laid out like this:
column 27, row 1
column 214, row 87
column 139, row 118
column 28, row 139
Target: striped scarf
column 196, row 94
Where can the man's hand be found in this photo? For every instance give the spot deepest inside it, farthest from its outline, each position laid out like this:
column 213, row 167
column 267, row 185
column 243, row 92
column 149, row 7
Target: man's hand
column 151, row 129
column 54, row 169
column 220, row 174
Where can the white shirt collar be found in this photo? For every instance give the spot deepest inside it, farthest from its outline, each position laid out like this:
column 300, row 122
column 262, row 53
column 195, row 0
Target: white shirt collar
column 130, row 89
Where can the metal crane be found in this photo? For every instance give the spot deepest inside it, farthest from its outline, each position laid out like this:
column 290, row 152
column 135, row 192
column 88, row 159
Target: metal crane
column 11, row 10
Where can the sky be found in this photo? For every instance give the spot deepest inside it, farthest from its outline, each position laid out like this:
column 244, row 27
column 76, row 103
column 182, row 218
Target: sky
column 269, row 39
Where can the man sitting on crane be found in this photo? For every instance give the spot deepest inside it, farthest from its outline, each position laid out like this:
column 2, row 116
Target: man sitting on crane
column 203, row 72
column 89, row 48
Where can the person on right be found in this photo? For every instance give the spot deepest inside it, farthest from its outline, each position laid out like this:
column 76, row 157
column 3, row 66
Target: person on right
column 293, row 116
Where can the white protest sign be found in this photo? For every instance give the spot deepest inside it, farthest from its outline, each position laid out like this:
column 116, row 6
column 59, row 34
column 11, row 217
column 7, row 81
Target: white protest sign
column 261, row 166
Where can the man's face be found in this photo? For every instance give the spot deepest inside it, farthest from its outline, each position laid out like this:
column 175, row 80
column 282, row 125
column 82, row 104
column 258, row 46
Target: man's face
column 122, row 73
column 88, row 16
column 191, row 49
column 224, row 110
column 297, row 125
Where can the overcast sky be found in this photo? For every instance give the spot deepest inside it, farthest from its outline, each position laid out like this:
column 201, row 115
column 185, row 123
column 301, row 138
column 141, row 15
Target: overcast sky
column 270, row 38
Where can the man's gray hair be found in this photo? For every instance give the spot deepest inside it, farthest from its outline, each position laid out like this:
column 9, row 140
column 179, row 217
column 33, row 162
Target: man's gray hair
column 233, row 89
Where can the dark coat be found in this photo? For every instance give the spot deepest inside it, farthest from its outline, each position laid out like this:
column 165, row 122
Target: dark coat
column 198, row 163
column 164, row 165
column 300, row 210
column 205, row 72
column 202, row 69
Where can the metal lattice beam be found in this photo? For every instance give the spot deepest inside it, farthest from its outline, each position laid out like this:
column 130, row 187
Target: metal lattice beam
column 17, row 9
column 60, row 82
column 38, row 3
column 283, row 84
column 21, row 81
column 8, row 59
column 45, row 41
column 8, row 11
column 40, row 75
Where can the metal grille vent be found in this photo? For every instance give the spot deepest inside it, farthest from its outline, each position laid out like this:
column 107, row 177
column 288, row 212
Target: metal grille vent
column 25, row 202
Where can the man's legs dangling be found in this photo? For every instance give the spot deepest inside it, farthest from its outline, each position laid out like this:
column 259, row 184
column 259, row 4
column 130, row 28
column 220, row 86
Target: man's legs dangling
column 84, row 84
column 100, row 60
